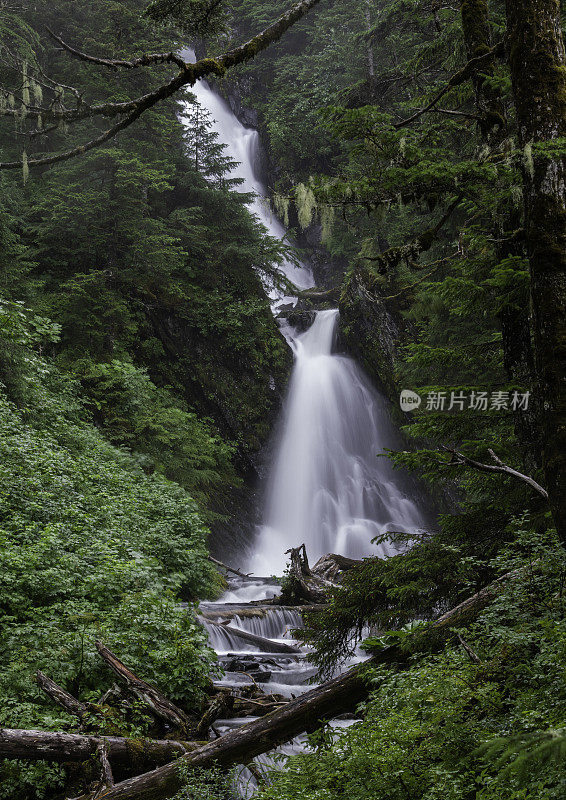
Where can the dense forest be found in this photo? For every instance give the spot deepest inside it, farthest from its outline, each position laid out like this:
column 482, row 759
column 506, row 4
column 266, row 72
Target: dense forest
column 414, row 151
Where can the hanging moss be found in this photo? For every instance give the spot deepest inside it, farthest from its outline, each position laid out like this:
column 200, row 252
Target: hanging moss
column 282, row 204
column 306, row 203
column 327, row 222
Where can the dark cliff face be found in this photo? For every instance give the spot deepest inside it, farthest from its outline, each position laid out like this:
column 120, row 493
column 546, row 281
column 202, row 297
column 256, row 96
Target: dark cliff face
column 240, row 387
column 370, row 332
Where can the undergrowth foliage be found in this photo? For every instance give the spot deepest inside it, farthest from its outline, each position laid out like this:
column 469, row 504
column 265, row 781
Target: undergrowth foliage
column 90, row 548
column 450, row 727
column 124, row 424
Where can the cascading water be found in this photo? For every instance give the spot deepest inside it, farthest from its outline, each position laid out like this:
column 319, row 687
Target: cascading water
column 328, row 488
column 243, row 148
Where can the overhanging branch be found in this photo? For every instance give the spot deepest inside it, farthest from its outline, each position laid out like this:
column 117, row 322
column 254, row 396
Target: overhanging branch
column 459, row 459
column 456, row 80
column 143, row 61
column 187, row 76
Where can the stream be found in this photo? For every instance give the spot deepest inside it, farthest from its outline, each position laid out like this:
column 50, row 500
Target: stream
column 329, row 486
column 244, row 663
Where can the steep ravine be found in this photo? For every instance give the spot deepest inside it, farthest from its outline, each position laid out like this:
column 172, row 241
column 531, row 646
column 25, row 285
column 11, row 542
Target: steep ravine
column 370, row 328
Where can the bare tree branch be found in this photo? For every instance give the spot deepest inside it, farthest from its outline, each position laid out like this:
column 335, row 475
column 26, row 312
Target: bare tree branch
column 61, row 696
column 470, row 652
column 143, row 61
column 161, row 706
column 229, row 569
column 459, row 459
column 456, row 80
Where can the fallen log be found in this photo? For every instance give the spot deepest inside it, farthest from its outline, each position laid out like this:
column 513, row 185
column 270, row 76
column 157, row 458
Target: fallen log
column 61, row 747
column 250, row 707
column 266, row 645
column 220, row 706
column 332, row 294
column 256, row 609
column 303, row 714
column 229, row 569
column 61, row 696
column 161, row 706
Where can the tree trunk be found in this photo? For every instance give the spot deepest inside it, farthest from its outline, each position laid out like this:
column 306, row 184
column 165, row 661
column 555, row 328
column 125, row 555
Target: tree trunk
column 61, row 696
column 538, row 73
column 161, row 706
column 369, row 45
column 61, row 747
column 477, row 39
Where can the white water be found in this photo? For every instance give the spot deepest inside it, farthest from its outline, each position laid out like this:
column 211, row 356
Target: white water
column 328, row 487
column 331, row 486
column 246, row 665
column 242, row 146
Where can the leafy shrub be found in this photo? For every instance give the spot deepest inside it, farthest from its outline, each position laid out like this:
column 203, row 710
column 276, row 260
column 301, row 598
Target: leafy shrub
column 90, row 548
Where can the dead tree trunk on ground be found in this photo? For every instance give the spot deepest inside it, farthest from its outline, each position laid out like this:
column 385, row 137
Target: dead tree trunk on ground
column 303, row 714
column 62, row 747
column 161, row 706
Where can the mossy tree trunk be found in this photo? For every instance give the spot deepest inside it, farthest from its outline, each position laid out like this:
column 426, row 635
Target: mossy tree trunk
column 515, row 324
column 477, row 39
column 538, row 72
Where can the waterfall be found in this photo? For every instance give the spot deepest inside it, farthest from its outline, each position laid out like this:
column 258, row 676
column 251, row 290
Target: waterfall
column 331, row 485
column 242, row 147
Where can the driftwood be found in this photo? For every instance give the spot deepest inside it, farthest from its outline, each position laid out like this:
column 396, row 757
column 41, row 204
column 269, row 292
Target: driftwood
column 62, row 747
column 303, row 714
column 255, row 609
column 470, row 652
column 161, row 706
column 266, row 645
column 229, row 569
column 249, row 706
column 302, row 583
column 61, row 696
column 220, row 706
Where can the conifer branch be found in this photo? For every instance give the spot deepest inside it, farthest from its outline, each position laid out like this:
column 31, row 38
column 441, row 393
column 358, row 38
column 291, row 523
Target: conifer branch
column 389, row 260
column 456, row 80
column 143, row 61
